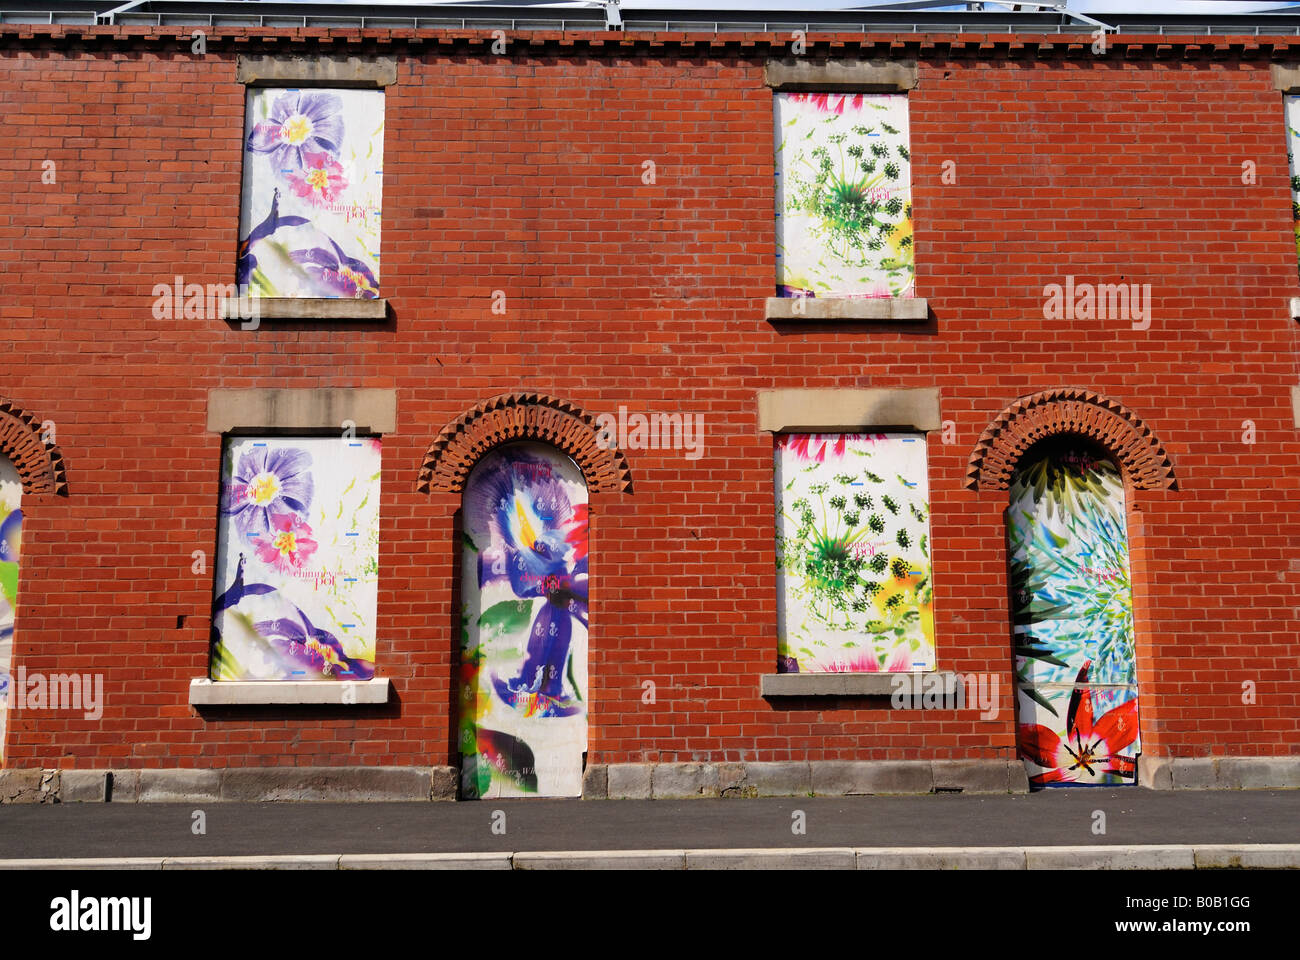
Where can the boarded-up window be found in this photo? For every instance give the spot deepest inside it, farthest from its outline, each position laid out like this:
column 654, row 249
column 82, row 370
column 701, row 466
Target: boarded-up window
column 310, row 211
column 844, row 195
column 1292, row 107
column 853, row 553
column 297, row 559
column 11, row 524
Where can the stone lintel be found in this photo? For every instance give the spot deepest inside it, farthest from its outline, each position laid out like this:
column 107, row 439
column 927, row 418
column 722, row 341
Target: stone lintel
column 1286, row 77
column 848, row 76
column 848, row 410
column 372, row 410
column 278, row 70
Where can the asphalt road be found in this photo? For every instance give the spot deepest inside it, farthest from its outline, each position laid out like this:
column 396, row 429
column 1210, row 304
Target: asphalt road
column 1049, row 818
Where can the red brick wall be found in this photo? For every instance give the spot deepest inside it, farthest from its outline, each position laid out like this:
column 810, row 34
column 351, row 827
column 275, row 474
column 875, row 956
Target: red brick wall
column 523, row 174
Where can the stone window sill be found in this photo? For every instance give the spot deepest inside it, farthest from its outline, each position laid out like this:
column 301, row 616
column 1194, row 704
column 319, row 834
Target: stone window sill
column 804, row 309
column 309, row 308
column 850, row 684
column 239, row 693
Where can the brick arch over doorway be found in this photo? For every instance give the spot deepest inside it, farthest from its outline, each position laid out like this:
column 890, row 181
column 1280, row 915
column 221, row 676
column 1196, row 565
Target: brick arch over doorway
column 39, row 464
column 1141, row 456
column 522, row 416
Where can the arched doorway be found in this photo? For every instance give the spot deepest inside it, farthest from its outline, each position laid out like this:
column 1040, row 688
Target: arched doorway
column 11, row 521
column 1068, row 457
column 1072, row 614
column 523, row 676
column 31, row 465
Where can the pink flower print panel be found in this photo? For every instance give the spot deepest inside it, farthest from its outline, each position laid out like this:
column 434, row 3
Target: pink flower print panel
column 297, row 572
column 312, row 195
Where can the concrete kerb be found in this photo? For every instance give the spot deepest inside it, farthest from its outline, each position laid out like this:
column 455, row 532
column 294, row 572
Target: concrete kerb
column 86, row 863
column 830, row 778
column 775, row 779
column 426, row 861
column 29, row 786
column 629, row 781
column 1194, row 773
column 1156, row 773
column 601, row 860
column 84, row 786
column 1266, row 856
column 180, row 786
column 1220, row 773
column 324, row 861
column 1125, row 857
column 940, row 858
column 976, row 776
column 123, row 786
column 619, row 781
column 683, row 781
column 834, row 778
column 1259, row 773
column 1176, row 857
column 595, row 782
column 344, row 784
column 814, row 858
column 232, row 784
column 837, row 778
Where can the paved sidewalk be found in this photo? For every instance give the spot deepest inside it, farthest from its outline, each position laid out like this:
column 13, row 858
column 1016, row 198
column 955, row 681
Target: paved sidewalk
column 1134, row 817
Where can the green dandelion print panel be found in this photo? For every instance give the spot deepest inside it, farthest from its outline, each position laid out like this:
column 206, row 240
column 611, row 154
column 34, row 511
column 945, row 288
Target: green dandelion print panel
column 854, row 586
column 843, row 195
column 1072, row 612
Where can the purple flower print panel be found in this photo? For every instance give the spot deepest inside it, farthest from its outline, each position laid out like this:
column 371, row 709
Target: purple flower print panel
column 312, row 194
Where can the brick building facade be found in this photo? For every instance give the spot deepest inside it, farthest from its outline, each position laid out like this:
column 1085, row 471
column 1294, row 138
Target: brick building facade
column 580, row 222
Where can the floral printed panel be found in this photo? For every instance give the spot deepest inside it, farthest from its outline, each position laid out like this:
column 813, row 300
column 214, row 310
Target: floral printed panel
column 843, row 195
column 854, row 592
column 1292, row 106
column 297, row 559
column 11, row 523
column 523, row 718
column 313, row 183
column 1068, row 549
column 1073, row 618
column 1078, row 735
